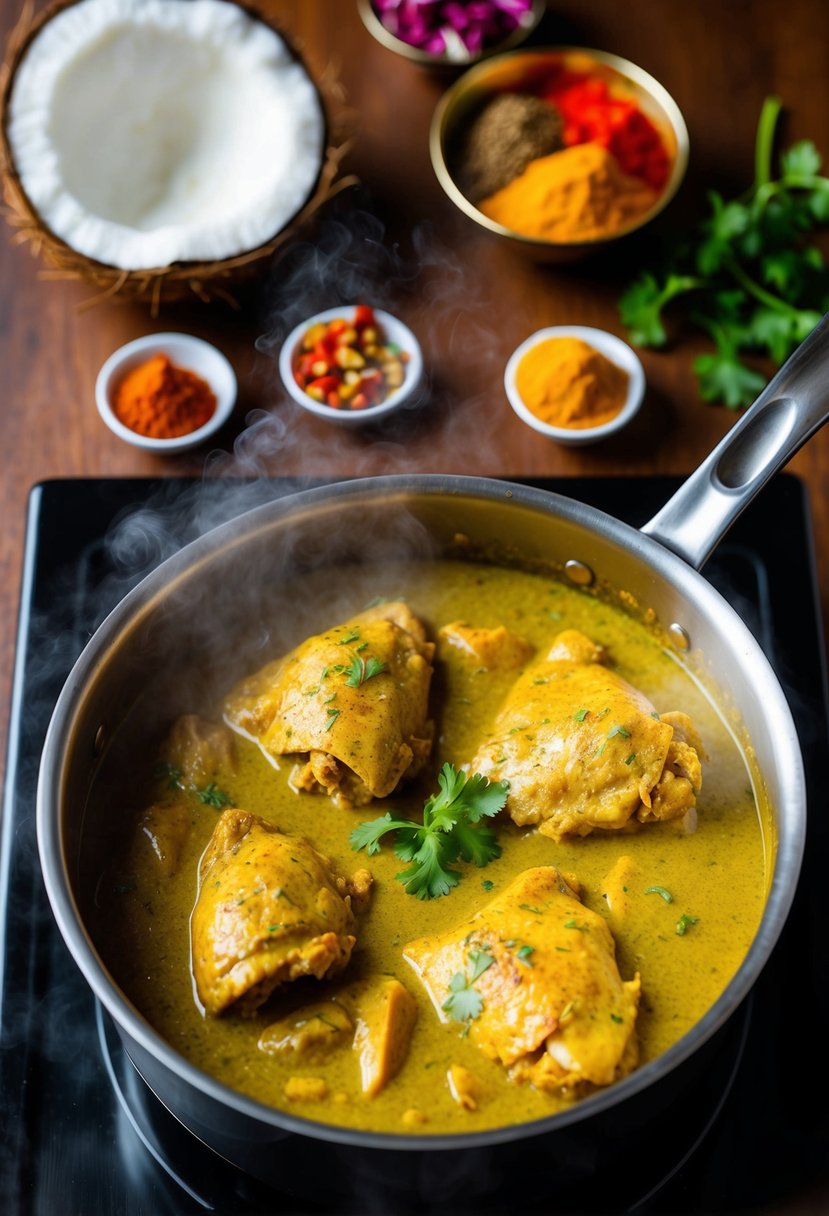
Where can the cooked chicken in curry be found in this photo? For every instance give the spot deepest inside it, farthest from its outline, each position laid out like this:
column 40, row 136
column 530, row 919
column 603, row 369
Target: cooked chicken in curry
column 372, row 1019
column 519, row 990
column 534, row 975
column 269, row 910
column 351, row 704
column 583, row 750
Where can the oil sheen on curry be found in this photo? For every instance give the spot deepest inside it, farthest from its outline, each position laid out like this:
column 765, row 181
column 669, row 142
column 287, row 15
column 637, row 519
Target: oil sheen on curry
column 470, row 847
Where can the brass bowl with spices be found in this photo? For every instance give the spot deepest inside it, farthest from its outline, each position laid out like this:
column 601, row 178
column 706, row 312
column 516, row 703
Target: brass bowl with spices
column 559, row 151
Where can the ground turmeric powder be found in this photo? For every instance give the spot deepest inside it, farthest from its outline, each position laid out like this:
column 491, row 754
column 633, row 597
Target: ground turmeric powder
column 163, row 401
column 577, row 194
column 568, row 383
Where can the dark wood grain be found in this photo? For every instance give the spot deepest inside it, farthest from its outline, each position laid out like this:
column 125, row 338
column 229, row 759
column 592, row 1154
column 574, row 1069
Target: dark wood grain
column 471, row 302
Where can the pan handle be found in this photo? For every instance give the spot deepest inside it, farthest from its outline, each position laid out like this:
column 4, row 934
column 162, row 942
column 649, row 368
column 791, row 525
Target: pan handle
column 790, row 409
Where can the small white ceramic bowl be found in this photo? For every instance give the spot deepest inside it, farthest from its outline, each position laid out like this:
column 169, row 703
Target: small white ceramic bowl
column 395, row 332
column 609, row 345
column 185, row 351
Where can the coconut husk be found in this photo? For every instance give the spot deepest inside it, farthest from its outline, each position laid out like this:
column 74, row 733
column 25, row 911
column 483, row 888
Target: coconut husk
column 207, row 281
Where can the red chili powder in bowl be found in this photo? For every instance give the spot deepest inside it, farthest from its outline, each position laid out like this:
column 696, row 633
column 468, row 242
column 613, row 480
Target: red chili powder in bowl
column 163, row 401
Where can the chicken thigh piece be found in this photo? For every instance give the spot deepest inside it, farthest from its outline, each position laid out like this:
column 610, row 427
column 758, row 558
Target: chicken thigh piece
column 270, row 909
column 533, row 975
column 350, row 704
column 583, row 750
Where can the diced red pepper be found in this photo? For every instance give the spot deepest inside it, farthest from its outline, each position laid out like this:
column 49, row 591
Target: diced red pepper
column 359, row 401
column 325, row 384
column 363, row 316
column 333, row 399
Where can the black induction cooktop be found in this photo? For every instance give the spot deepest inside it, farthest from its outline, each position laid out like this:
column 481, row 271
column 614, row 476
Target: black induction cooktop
column 79, row 1131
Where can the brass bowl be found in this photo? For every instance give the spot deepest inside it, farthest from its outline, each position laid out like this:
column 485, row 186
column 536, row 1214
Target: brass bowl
column 513, row 72
column 444, row 63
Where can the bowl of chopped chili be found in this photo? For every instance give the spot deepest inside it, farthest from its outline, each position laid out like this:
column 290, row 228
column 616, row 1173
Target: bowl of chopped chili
column 352, row 365
column 166, row 393
column 559, row 150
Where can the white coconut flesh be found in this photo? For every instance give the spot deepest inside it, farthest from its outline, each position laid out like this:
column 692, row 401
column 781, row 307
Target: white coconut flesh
column 147, row 132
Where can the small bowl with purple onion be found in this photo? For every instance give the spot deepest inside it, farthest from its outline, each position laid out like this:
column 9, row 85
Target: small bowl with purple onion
column 447, row 34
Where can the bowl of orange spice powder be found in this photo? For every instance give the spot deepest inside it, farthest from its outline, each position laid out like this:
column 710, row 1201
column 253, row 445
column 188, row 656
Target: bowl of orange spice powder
column 166, row 393
column 575, row 384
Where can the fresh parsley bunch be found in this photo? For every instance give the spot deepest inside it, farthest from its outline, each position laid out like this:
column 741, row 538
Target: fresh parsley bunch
column 451, row 829
column 754, row 282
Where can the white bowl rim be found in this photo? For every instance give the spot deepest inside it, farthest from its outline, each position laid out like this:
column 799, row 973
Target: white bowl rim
column 614, row 348
column 222, row 380
column 413, row 369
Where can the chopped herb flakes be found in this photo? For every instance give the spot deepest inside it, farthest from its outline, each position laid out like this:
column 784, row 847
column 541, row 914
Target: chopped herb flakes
column 524, row 953
column 614, row 1017
column 618, row 730
column 661, row 891
column 571, row 924
column 211, row 795
column 487, row 884
column 333, row 714
column 684, row 924
column 581, row 714
column 631, row 758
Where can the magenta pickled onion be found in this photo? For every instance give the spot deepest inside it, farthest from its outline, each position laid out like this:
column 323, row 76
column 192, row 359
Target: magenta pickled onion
column 457, row 29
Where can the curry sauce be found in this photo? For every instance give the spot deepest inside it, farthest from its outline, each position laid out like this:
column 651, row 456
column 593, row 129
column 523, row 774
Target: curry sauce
column 683, row 907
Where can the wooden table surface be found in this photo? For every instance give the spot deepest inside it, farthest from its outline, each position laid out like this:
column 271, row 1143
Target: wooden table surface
column 469, row 299
column 471, row 302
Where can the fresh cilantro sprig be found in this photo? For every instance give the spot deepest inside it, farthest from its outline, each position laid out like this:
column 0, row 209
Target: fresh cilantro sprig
column 451, row 830
column 751, row 279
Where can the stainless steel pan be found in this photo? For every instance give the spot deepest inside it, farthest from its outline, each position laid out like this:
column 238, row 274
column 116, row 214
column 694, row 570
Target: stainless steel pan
column 130, row 669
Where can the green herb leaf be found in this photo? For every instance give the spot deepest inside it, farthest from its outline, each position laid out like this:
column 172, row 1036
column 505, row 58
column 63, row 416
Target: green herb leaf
column 661, row 891
column 618, row 730
column 463, row 1003
column 800, row 160
column 723, row 377
column 480, row 960
column 684, row 923
column 211, row 795
column 360, row 669
column 451, row 830
column 524, row 955
column 581, row 714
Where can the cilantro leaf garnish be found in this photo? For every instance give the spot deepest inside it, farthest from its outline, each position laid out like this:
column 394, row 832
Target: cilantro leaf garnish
column 754, row 280
column 464, row 1003
column 211, row 795
column 359, row 670
column 451, row 830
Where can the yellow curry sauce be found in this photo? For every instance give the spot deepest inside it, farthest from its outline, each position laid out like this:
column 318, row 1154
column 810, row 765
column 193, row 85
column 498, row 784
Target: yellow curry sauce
column 716, row 875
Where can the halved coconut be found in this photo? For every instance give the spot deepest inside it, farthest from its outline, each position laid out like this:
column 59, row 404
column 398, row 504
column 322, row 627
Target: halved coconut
column 151, row 133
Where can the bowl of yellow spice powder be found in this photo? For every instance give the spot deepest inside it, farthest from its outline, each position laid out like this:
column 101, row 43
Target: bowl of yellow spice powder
column 166, row 393
column 559, row 150
column 575, row 384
